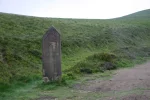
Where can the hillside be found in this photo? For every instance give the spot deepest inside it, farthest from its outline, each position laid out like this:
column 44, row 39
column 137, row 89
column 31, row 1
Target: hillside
column 85, row 43
column 140, row 14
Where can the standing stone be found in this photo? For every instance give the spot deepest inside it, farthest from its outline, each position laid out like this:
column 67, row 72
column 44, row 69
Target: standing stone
column 51, row 55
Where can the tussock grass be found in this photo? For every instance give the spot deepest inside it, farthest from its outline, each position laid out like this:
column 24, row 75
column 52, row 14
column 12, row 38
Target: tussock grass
column 84, row 42
column 95, row 63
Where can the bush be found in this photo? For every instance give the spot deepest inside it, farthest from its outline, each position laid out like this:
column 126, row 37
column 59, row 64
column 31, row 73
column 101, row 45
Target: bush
column 98, row 62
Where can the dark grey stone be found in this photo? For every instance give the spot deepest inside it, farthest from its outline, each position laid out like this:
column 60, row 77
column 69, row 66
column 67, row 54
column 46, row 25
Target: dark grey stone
column 51, row 55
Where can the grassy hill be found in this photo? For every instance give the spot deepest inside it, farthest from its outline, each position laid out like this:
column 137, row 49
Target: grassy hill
column 88, row 45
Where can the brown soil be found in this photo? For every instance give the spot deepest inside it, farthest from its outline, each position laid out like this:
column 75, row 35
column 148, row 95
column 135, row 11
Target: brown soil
column 46, row 98
column 137, row 78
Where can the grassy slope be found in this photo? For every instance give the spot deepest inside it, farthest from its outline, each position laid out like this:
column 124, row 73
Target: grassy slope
column 20, row 42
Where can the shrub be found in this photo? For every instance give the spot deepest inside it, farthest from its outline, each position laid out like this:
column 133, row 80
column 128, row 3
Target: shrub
column 97, row 62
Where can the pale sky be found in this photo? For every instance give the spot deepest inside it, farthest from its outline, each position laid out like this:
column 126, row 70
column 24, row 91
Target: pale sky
column 91, row 9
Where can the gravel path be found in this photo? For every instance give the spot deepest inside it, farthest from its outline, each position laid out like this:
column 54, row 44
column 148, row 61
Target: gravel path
column 131, row 79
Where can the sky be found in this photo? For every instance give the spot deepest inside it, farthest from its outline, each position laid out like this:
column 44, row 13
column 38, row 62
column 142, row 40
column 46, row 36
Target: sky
column 89, row 9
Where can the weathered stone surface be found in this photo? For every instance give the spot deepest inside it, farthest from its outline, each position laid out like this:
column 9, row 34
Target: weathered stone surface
column 51, row 55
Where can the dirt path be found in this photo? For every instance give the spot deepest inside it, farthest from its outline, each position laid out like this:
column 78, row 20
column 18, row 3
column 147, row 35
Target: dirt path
column 126, row 84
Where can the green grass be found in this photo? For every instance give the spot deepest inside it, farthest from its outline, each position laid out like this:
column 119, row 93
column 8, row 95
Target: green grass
column 38, row 89
column 88, row 45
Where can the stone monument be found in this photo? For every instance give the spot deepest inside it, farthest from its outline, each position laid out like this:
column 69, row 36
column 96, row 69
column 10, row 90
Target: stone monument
column 51, row 55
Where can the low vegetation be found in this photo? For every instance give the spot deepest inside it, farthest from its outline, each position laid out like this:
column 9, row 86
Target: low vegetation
column 88, row 45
